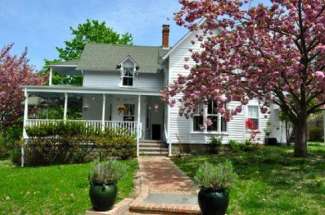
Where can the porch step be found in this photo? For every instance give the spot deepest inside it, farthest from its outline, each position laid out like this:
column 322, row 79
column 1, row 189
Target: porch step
column 153, row 145
column 154, row 153
column 151, row 141
column 153, row 148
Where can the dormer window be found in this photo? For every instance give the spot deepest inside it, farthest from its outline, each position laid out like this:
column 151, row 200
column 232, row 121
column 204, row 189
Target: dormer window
column 128, row 68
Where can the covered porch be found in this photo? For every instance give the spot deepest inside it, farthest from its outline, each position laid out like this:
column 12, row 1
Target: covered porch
column 139, row 112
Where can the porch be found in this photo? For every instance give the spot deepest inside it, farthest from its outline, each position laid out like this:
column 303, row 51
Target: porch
column 139, row 112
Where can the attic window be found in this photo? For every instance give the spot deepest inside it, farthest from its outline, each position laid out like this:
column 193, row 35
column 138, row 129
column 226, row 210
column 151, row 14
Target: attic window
column 127, row 76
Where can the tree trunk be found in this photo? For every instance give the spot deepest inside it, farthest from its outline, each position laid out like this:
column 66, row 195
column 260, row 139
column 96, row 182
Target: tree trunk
column 300, row 129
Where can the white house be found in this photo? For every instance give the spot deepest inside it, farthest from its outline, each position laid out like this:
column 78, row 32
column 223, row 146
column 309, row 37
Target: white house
column 121, row 88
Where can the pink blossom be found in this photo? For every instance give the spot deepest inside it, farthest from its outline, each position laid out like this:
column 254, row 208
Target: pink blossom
column 14, row 73
column 321, row 47
column 320, row 75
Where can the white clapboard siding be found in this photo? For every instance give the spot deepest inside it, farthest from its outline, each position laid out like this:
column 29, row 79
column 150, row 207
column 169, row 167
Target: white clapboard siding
column 146, row 81
column 180, row 128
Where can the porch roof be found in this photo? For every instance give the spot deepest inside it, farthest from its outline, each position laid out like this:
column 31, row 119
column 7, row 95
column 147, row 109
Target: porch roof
column 91, row 90
column 66, row 67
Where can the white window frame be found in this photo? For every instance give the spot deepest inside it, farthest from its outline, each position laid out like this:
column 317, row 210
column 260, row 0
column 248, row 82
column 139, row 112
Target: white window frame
column 123, row 72
column 199, row 114
column 213, row 114
column 205, row 115
column 258, row 115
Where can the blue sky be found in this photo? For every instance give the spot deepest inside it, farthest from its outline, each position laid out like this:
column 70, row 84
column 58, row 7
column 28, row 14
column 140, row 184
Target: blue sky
column 42, row 25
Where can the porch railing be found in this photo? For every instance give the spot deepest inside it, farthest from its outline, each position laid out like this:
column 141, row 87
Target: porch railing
column 131, row 127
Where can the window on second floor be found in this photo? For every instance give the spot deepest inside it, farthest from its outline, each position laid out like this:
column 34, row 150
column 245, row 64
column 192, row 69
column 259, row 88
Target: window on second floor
column 128, row 68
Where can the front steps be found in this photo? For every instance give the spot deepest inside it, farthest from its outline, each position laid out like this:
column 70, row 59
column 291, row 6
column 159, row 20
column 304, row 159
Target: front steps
column 153, row 148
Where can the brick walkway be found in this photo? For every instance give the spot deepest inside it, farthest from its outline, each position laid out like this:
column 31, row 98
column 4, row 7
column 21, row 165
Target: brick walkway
column 163, row 176
column 164, row 189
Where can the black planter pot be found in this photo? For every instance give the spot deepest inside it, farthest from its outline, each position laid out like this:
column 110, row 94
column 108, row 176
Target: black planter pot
column 213, row 202
column 102, row 196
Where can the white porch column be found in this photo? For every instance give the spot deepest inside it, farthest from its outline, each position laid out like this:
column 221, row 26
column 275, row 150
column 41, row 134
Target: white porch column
column 25, row 136
column 138, row 125
column 25, row 113
column 50, row 76
column 103, row 112
column 65, row 111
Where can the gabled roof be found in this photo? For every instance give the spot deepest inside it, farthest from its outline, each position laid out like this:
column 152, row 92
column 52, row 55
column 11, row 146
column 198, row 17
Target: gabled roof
column 168, row 52
column 106, row 57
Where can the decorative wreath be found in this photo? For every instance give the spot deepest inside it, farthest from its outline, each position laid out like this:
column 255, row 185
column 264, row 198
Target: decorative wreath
column 121, row 109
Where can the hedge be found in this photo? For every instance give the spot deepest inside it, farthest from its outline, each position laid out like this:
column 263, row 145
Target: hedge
column 74, row 143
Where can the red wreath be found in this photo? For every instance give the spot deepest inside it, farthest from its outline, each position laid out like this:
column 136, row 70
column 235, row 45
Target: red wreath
column 250, row 124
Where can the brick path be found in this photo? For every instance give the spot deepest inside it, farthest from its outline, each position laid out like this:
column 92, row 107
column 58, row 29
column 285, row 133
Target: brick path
column 163, row 176
column 160, row 177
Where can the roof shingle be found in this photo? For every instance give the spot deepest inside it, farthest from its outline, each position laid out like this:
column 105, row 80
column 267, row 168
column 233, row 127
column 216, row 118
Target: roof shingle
column 106, row 57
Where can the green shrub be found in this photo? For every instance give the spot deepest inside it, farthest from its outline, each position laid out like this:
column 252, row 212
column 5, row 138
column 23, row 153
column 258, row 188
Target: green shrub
column 75, row 149
column 107, row 172
column 15, row 152
column 71, row 129
column 248, row 146
column 8, row 138
column 315, row 133
column 234, row 146
column 60, row 129
column 3, row 147
column 121, row 147
column 214, row 144
column 217, row 177
column 73, row 142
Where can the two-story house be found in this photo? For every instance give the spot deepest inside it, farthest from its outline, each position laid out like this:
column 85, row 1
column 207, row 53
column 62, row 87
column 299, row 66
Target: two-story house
column 121, row 89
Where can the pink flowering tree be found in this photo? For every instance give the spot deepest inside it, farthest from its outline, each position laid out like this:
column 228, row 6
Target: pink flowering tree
column 14, row 72
column 273, row 53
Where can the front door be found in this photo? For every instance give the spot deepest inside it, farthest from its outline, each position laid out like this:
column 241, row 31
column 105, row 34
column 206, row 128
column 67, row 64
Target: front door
column 156, row 131
column 154, row 119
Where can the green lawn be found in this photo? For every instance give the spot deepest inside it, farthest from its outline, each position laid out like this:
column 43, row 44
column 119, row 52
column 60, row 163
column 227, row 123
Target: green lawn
column 61, row 189
column 271, row 180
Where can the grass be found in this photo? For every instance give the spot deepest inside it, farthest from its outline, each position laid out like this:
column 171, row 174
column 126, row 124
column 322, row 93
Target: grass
column 271, row 180
column 61, row 189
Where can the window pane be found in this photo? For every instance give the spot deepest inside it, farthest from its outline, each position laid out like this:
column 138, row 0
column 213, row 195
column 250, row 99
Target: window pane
column 253, row 112
column 212, row 108
column 214, row 123
column 198, row 123
column 128, row 72
column 255, row 123
column 199, row 109
column 223, row 124
column 127, row 81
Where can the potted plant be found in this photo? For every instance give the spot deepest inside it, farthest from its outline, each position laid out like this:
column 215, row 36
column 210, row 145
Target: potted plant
column 214, row 181
column 103, row 179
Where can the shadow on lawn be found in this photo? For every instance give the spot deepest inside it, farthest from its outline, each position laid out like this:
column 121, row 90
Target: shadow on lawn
column 270, row 173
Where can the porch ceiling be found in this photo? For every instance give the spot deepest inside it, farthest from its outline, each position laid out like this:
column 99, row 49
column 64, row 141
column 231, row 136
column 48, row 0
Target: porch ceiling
column 90, row 90
column 66, row 69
